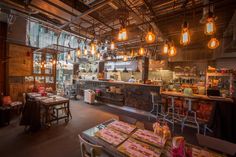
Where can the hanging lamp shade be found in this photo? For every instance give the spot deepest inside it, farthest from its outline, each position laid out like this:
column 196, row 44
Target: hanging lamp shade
column 185, row 35
column 112, row 45
column 210, row 27
column 172, row 52
column 165, row 48
column 213, row 43
column 141, row 51
column 78, row 52
column 150, row 37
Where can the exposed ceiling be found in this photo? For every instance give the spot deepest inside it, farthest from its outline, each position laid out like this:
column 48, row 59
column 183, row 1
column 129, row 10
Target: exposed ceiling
column 99, row 18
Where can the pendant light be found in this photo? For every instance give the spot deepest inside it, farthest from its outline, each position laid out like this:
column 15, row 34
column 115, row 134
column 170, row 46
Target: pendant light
column 165, row 48
column 172, row 51
column 112, row 45
column 185, row 35
column 68, row 56
column 210, row 27
column 54, row 62
column 125, row 58
column 98, row 55
column 141, row 51
column 150, row 36
column 78, row 52
column 213, row 43
column 122, row 35
column 93, row 48
column 85, row 50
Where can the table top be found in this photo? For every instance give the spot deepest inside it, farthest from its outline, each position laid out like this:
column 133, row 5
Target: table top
column 121, row 149
column 196, row 96
column 50, row 99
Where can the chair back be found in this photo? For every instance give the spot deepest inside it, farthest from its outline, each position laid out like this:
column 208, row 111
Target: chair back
column 127, row 119
column 217, row 144
column 88, row 149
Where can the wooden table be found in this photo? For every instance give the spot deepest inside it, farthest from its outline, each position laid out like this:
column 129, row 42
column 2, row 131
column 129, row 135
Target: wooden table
column 89, row 135
column 49, row 102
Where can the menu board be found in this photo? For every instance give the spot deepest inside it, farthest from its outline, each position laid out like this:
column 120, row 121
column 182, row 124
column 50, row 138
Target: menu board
column 149, row 137
column 122, row 126
column 111, row 136
column 134, row 148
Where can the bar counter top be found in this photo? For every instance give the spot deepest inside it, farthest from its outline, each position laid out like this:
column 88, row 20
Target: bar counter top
column 196, row 96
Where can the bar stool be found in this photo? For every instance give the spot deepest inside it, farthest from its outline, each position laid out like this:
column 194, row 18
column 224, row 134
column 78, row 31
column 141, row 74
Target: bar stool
column 156, row 105
column 171, row 116
column 188, row 120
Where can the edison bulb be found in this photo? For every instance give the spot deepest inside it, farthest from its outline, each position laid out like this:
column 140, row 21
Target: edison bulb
column 210, row 26
column 213, row 43
column 141, row 51
column 165, row 48
column 185, row 35
column 172, row 52
column 78, row 52
column 112, row 45
column 150, row 37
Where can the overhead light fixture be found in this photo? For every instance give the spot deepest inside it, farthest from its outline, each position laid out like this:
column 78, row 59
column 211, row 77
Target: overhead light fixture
column 68, row 56
column 93, row 48
column 112, row 45
column 210, row 27
column 98, row 55
column 172, row 52
column 78, row 52
column 141, row 51
column 125, row 58
column 185, row 35
column 54, row 62
column 85, row 50
column 213, row 43
column 122, row 35
column 165, row 48
column 150, row 37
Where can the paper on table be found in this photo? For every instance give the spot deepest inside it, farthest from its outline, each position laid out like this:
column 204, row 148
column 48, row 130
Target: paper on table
column 122, row 126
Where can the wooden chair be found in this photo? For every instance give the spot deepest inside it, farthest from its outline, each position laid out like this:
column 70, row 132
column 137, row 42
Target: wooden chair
column 217, row 144
column 127, row 119
column 148, row 126
column 90, row 150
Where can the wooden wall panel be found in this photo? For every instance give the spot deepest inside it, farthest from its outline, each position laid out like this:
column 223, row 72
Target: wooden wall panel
column 20, row 64
column 3, row 36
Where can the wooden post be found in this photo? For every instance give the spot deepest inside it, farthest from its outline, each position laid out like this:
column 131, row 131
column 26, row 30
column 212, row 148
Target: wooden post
column 145, row 67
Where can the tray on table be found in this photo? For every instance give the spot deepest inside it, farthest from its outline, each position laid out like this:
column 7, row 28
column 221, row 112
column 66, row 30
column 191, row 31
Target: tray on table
column 122, row 126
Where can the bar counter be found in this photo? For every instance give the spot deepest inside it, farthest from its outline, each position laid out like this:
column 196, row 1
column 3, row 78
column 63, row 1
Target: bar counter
column 132, row 94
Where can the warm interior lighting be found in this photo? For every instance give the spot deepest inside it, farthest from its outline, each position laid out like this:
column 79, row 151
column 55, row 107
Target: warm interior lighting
column 85, row 50
column 210, row 27
column 141, row 51
column 213, row 43
column 93, row 48
column 165, row 48
column 78, row 52
column 122, row 35
column 150, row 37
column 98, row 55
column 112, row 45
column 185, row 35
column 172, row 52
column 54, row 62
column 125, row 58
column 68, row 56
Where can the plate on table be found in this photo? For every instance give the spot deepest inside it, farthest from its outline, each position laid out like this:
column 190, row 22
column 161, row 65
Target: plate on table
column 111, row 136
column 134, row 148
column 149, row 137
column 122, row 126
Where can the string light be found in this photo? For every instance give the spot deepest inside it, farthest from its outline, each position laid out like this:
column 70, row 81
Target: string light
column 172, row 52
column 141, row 51
column 165, row 48
column 213, row 43
column 210, row 27
column 78, row 52
column 185, row 35
column 150, row 37
column 112, row 45
column 68, row 56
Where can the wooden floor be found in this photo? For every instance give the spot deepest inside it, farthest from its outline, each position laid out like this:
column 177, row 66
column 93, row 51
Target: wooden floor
column 61, row 140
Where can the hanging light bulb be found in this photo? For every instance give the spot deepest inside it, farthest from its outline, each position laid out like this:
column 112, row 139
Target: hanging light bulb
column 122, row 35
column 141, row 51
column 93, row 48
column 150, row 37
column 172, row 52
column 210, row 27
column 68, row 56
column 213, row 43
column 125, row 58
column 78, row 52
column 85, row 50
column 54, row 62
column 112, row 45
column 98, row 55
column 185, row 35
column 165, row 48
